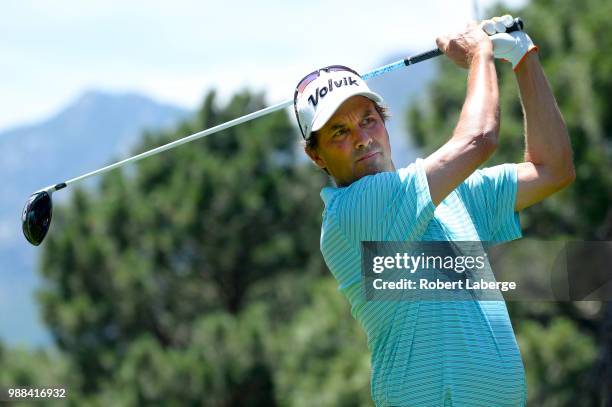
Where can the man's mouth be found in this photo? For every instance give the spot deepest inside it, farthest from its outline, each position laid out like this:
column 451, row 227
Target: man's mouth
column 368, row 156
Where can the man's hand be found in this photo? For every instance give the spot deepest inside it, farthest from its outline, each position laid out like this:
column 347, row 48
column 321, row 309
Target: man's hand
column 511, row 47
column 463, row 46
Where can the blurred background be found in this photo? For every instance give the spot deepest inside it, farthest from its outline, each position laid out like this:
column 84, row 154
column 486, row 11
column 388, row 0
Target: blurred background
column 195, row 277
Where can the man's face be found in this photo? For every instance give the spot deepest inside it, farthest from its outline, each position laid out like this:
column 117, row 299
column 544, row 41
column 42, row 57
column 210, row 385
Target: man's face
column 353, row 143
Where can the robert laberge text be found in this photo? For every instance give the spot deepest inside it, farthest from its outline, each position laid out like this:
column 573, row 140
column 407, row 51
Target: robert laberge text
column 425, row 284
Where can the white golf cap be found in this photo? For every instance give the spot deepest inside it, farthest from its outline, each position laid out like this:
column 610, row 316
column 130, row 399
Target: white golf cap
column 317, row 99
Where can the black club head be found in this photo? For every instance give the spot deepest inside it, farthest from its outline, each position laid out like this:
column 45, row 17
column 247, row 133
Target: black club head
column 36, row 217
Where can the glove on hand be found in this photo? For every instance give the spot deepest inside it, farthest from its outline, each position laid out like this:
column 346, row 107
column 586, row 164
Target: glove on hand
column 510, row 47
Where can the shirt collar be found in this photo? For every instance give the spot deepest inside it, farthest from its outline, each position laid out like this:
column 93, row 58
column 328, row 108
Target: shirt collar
column 327, row 193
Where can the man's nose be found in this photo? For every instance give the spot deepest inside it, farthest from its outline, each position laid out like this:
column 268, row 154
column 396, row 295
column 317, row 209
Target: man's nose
column 362, row 138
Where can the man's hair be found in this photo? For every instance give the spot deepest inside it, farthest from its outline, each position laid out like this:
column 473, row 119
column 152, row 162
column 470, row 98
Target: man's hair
column 312, row 142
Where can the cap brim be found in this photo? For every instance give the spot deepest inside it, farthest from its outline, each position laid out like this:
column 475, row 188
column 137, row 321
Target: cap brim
column 326, row 113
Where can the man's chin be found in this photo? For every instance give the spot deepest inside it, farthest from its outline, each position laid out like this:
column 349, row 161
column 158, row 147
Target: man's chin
column 372, row 167
column 371, row 170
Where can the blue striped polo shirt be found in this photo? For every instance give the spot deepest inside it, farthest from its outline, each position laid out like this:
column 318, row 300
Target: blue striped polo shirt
column 428, row 353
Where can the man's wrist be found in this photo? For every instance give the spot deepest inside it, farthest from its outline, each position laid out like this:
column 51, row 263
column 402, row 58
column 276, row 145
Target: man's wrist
column 482, row 54
column 529, row 59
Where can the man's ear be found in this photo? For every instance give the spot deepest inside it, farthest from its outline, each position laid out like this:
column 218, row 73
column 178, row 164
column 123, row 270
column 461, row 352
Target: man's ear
column 315, row 157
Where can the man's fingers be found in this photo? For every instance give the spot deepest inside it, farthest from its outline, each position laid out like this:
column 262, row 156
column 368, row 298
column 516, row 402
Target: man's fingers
column 500, row 27
column 442, row 43
column 507, row 20
column 489, row 27
column 497, row 24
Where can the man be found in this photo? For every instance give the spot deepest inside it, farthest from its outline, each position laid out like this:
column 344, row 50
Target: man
column 434, row 353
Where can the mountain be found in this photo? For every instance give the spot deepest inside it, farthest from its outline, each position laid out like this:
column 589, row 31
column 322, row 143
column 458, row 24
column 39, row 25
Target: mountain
column 94, row 130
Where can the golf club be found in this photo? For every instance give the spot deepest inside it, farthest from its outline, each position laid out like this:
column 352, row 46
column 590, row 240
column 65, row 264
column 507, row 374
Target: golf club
column 37, row 212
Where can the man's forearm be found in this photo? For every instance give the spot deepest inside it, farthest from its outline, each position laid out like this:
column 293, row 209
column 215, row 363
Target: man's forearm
column 480, row 113
column 547, row 143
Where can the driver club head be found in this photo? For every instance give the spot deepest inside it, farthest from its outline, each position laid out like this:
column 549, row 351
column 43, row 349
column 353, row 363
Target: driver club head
column 36, row 216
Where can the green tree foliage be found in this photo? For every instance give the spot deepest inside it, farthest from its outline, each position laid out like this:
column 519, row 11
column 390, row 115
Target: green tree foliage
column 558, row 351
column 559, row 356
column 324, row 361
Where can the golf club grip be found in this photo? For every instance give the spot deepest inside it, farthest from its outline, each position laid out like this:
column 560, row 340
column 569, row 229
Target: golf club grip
column 517, row 26
column 424, row 56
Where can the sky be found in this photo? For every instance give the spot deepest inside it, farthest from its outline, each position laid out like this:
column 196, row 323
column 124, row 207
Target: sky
column 174, row 51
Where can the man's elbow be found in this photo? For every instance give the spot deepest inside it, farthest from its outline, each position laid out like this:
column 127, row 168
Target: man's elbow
column 565, row 176
column 486, row 144
column 570, row 176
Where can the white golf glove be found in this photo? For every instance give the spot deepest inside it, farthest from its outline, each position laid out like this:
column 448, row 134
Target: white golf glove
column 510, row 47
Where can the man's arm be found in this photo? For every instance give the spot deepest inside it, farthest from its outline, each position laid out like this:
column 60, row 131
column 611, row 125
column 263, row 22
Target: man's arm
column 475, row 136
column 548, row 165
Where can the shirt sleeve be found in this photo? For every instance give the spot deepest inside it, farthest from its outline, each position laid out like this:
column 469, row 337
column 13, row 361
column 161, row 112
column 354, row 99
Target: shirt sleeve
column 386, row 206
column 490, row 197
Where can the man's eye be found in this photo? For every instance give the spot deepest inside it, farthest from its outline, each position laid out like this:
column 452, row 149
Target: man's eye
column 340, row 133
column 368, row 121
